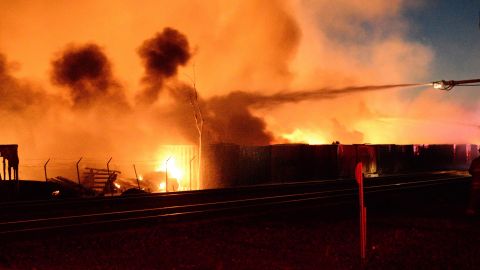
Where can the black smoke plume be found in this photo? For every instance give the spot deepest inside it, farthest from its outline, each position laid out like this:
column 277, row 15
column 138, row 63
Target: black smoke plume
column 86, row 72
column 162, row 55
column 229, row 118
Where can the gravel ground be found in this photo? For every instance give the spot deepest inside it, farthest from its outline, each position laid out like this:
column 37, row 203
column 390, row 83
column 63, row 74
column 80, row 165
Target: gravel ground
column 435, row 236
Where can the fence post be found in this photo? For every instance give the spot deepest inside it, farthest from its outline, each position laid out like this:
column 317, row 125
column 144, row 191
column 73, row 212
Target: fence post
column 78, row 172
column 108, row 172
column 193, row 158
column 45, row 169
column 136, row 176
column 166, row 174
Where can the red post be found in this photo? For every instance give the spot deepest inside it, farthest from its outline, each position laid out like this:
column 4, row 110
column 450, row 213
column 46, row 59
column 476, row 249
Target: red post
column 363, row 212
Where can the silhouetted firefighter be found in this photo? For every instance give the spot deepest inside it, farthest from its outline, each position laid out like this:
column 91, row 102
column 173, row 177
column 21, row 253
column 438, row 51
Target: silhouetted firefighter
column 10, row 154
column 475, row 188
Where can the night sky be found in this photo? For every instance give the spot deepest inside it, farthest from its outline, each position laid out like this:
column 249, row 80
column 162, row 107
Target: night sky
column 452, row 30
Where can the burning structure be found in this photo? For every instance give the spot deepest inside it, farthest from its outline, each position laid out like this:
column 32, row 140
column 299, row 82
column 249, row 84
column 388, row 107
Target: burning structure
column 173, row 169
column 233, row 165
column 260, row 83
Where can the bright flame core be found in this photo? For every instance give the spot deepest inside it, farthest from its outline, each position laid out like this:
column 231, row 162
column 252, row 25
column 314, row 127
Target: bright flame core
column 169, row 166
column 176, row 161
column 302, row 136
column 161, row 187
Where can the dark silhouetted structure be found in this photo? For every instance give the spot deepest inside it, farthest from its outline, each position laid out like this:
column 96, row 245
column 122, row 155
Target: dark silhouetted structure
column 231, row 165
column 475, row 188
column 9, row 152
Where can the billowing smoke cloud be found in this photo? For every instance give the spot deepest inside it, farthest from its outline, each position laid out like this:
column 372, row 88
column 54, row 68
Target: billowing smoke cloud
column 3, row 64
column 342, row 132
column 86, row 72
column 17, row 95
column 260, row 47
column 162, row 55
column 229, row 119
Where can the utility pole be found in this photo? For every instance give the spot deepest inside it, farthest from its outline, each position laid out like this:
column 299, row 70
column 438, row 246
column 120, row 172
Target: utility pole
column 166, row 174
column 193, row 158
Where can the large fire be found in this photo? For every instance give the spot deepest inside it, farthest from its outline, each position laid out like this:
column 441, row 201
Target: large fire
column 308, row 137
column 266, row 72
column 172, row 172
column 174, row 169
column 169, row 166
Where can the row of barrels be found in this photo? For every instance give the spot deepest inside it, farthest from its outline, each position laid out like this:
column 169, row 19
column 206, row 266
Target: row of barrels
column 228, row 165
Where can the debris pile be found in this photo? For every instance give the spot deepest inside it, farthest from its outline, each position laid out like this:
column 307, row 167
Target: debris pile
column 69, row 188
column 101, row 181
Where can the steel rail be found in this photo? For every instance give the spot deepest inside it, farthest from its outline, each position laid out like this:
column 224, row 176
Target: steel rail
column 18, row 226
column 43, row 203
column 204, row 194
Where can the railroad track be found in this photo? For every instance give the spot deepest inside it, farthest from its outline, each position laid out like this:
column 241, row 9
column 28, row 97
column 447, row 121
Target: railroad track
column 33, row 217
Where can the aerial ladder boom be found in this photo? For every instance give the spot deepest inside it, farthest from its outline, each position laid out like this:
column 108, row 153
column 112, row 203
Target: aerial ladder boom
column 448, row 85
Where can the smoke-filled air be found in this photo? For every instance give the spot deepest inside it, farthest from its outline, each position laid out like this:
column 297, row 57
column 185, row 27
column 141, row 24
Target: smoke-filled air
column 100, row 79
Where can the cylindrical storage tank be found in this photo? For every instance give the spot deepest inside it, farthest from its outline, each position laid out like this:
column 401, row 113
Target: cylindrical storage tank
column 436, row 157
column 461, row 156
column 287, row 163
column 350, row 155
column 308, row 163
column 254, row 165
column 220, row 165
column 386, row 159
column 347, row 160
column 326, row 161
column 367, row 155
column 404, row 158
column 473, row 152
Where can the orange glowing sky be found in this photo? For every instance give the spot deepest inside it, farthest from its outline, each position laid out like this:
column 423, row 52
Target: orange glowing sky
column 251, row 45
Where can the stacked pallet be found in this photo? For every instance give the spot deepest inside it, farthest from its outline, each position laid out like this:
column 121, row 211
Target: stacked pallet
column 100, row 180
